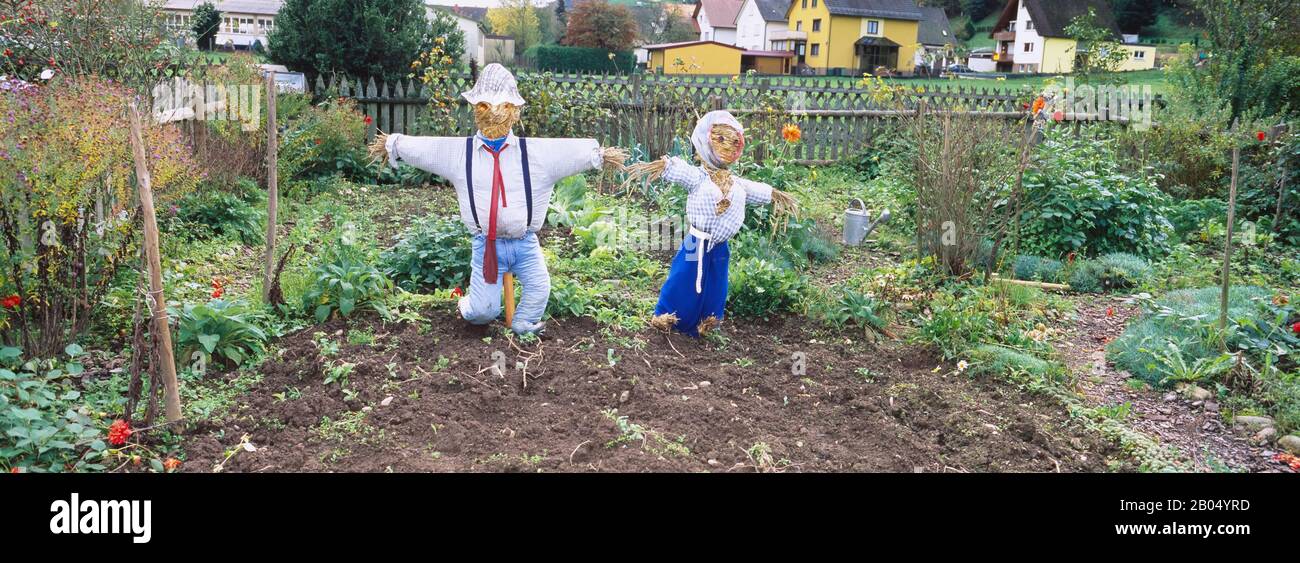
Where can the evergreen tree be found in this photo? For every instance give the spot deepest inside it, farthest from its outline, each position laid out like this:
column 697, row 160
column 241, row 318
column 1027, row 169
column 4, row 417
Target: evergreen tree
column 207, row 21
column 361, row 38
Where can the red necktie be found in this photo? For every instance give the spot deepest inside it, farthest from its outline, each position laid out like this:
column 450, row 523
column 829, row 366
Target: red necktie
column 498, row 187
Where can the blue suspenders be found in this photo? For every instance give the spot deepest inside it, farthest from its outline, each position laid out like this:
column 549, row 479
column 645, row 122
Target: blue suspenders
column 469, row 180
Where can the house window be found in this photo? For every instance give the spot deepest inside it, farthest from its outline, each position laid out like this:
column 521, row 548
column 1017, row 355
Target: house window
column 1139, row 54
column 817, row 24
column 814, row 3
column 1029, row 24
column 1029, row 47
column 1011, row 27
column 873, row 27
column 798, row 26
column 816, row 49
column 804, row 4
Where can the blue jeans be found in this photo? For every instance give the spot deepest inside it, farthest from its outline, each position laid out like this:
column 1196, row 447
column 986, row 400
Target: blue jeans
column 521, row 257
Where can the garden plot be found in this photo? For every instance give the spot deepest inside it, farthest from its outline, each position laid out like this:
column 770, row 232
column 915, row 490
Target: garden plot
column 425, row 397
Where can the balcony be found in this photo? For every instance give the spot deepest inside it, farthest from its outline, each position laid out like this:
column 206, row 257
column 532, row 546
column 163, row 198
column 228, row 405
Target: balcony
column 1004, row 36
column 1004, row 57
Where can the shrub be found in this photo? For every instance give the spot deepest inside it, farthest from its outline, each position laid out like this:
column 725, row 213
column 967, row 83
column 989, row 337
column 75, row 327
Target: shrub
column 1184, row 323
column 434, row 253
column 344, row 280
column 67, row 217
column 219, row 329
column 852, row 307
column 800, row 245
column 206, row 213
column 1034, row 268
column 759, row 288
column 326, row 139
column 1085, row 202
column 386, row 36
column 955, row 325
column 993, row 360
column 562, row 58
column 569, row 299
column 1110, row 272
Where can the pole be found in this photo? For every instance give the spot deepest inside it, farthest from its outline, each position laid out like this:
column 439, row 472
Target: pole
column 272, row 186
column 508, row 296
column 1227, row 243
column 162, row 332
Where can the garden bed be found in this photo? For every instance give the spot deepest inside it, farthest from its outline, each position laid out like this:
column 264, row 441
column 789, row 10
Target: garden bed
column 425, row 402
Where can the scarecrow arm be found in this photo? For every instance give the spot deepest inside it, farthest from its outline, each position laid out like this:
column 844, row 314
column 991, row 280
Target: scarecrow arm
column 437, row 155
column 668, row 168
column 758, row 193
column 562, row 158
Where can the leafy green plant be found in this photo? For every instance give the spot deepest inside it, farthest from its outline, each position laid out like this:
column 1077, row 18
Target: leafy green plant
column 343, row 281
column 432, row 253
column 46, row 419
column 221, row 329
column 1035, row 268
column 955, row 325
column 218, row 213
column 760, row 288
column 1110, row 272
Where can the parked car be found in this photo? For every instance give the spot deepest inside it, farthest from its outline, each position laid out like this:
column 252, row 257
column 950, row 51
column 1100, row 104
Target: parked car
column 958, row 67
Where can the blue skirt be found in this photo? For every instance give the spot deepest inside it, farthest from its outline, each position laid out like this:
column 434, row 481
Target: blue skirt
column 678, row 294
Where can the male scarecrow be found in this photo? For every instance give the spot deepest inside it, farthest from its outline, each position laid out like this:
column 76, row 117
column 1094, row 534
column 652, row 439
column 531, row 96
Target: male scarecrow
column 693, row 298
column 504, row 185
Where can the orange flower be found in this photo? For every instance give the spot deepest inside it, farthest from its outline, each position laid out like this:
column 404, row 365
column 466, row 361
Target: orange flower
column 791, row 133
column 171, row 464
column 1039, row 103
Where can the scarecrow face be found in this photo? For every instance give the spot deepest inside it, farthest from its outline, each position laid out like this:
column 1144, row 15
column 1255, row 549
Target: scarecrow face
column 495, row 121
column 727, row 143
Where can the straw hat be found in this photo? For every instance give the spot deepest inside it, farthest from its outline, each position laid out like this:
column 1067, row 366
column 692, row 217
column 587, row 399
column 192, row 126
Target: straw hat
column 495, row 85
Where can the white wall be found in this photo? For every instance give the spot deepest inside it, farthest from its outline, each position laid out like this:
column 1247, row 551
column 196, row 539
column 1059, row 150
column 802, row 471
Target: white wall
column 752, row 31
column 1023, row 36
column 719, row 34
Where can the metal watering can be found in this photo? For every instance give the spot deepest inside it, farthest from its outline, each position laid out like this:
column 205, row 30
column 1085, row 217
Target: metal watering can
column 858, row 223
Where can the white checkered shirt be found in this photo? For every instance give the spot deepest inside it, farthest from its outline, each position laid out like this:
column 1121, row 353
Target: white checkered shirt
column 703, row 197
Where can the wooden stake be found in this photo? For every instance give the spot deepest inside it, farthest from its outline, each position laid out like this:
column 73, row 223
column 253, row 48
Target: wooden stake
column 272, row 187
column 508, row 296
column 1227, row 243
column 161, row 330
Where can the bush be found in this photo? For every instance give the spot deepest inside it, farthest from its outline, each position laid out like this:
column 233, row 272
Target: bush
column 1110, row 272
column 1180, row 329
column 562, row 58
column 759, row 288
column 1086, row 203
column 993, row 360
column 219, row 329
column 1034, row 268
column 326, row 139
column 800, row 245
column 385, row 36
column 955, row 325
column 852, row 307
column 343, row 281
column 434, row 253
column 214, row 213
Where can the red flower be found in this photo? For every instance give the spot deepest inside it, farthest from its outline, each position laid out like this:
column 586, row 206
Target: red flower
column 16, row 470
column 369, row 120
column 9, row 52
column 1295, row 328
column 1110, row 311
column 318, row 141
column 171, row 464
column 216, row 294
column 458, row 293
column 118, row 432
column 1261, row 136
column 11, row 302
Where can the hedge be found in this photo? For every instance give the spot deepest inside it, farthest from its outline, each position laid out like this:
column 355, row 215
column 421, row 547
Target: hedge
column 561, row 58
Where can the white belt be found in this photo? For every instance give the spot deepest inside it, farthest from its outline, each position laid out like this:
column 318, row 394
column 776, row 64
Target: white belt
column 705, row 245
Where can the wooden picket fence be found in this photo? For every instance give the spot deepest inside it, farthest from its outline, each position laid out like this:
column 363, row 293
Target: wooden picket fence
column 838, row 118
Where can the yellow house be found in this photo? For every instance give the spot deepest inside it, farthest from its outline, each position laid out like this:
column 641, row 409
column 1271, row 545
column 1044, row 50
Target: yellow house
column 711, row 57
column 855, row 36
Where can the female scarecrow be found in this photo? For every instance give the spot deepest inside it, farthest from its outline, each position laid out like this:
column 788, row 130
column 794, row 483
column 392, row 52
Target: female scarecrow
column 504, row 185
column 693, row 298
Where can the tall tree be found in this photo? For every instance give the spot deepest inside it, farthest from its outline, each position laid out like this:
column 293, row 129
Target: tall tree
column 1133, row 15
column 362, row 38
column 206, row 23
column 1097, row 50
column 518, row 19
column 599, row 24
column 443, row 25
column 1247, row 37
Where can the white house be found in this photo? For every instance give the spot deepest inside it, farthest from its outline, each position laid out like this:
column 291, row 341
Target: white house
column 480, row 47
column 938, row 46
column 1031, row 36
column 717, row 20
column 243, row 22
column 760, row 22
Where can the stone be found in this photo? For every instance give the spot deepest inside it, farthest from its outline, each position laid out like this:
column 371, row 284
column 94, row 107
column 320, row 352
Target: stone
column 1198, row 393
column 1211, row 406
column 1290, row 443
column 624, row 396
column 1252, row 422
column 387, row 401
column 1265, row 435
column 704, row 384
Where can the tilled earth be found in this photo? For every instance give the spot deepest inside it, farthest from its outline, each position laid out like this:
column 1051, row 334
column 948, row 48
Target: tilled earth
column 776, row 396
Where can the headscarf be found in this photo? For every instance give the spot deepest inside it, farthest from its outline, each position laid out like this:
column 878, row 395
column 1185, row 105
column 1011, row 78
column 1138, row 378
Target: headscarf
column 700, row 136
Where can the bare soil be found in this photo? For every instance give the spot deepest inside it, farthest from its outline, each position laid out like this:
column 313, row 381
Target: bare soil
column 429, row 400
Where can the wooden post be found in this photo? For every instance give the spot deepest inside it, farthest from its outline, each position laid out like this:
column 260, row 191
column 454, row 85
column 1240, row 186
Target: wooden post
column 1227, row 243
column 1279, row 134
column 272, row 187
column 162, row 332
column 508, row 296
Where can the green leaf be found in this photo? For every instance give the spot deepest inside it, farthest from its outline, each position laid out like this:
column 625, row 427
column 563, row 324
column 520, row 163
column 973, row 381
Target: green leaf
column 322, row 313
column 157, row 465
column 73, row 350
column 346, row 305
column 209, row 341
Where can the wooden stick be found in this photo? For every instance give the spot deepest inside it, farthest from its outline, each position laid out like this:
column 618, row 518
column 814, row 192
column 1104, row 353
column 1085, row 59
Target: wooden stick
column 508, row 296
column 154, row 262
column 1039, row 285
column 1227, row 243
column 272, row 187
